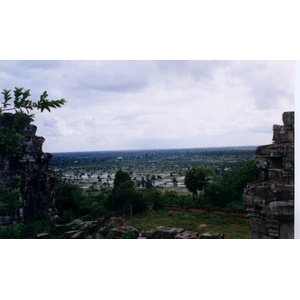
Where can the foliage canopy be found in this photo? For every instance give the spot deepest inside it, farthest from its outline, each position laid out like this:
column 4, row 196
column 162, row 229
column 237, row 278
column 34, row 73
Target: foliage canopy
column 197, row 178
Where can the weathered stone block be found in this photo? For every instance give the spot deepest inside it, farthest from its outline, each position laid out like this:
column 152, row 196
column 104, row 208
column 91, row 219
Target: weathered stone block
column 42, row 235
column 281, row 210
column 248, row 200
column 147, row 234
column 290, row 151
column 255, row 235
column 283, row 134
column 288, row 118
column 275, row 175
column 272, row 150
column 187, row 235
column 263, row 162
column 71, row 233
column 166, row 232
column 77, row 235
column 258, row 225
column 288, row 178
column 272, row 224
column 208, row 235
column 263, row 189
column 120, row 232
column 286, row 230
column 281, row 195
column 266, row 237
column 288, row 164
column 273, row 233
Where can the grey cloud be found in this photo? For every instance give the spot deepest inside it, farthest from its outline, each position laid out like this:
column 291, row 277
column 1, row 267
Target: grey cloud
column 197, row 69
column 28, row 68
column 267, row 81
column 112, row 76
column 50, row 123
column 38, row 76
column 39, row 64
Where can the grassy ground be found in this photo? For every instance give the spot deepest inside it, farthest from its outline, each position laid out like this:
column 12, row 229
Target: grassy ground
column 234, row 227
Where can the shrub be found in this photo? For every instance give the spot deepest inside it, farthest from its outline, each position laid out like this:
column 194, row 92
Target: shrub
column 12, row 231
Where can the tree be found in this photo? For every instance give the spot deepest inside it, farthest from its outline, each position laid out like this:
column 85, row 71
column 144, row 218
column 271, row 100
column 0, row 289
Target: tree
column 197, row 178
column 123, row 194
column 10, row 196
column 153, row 178
column 228, row 191
column 10, row 137
column 121, row 177
column 248, row 172
column 68, row 197
column 150, row 199
column 216, row 195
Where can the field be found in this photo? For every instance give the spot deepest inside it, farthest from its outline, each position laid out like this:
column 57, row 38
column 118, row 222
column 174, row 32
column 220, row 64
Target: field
column 233, row 227
column 165, row 168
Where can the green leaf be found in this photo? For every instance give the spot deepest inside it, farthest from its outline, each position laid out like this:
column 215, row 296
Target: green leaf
column 26, row 94
column 22, row 103
column 7, row 97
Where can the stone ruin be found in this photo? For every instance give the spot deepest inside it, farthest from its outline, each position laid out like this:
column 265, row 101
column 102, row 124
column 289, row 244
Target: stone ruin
column 77, row 229
column 37, row 181
column 269, row 202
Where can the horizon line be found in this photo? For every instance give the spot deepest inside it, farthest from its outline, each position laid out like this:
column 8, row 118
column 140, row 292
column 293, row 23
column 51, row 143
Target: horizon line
column 156, row 149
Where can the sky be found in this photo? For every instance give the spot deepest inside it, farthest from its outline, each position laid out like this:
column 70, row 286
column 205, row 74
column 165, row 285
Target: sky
column 148, row 104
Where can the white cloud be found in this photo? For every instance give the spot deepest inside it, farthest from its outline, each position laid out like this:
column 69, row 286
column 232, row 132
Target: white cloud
column 156, row 104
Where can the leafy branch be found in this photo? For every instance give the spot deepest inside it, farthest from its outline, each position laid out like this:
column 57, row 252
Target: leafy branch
column 21, row 101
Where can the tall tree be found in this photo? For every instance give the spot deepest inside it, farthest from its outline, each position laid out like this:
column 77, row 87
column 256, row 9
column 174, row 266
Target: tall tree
column 123, row 196
column 121, row 177
column 196, row 179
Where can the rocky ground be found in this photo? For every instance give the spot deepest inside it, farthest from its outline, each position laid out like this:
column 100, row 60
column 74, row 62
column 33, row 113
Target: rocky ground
column 116, row 228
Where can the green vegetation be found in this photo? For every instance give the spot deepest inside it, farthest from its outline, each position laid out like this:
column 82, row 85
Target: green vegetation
column 21, row 105
column 197, row 178
column 146, row 187
column 234, row 227
column 227, row 189
column 123, row 196
column 72, row 203
column 10, row 196
column 146, row 208
column 21, row 101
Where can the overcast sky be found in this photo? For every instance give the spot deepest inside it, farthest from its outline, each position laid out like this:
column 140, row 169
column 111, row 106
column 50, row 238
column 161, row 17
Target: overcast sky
column 123, row 105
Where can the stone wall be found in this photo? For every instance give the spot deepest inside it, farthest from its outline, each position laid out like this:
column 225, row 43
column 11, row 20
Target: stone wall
column 270, row 201
column 37, row 181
